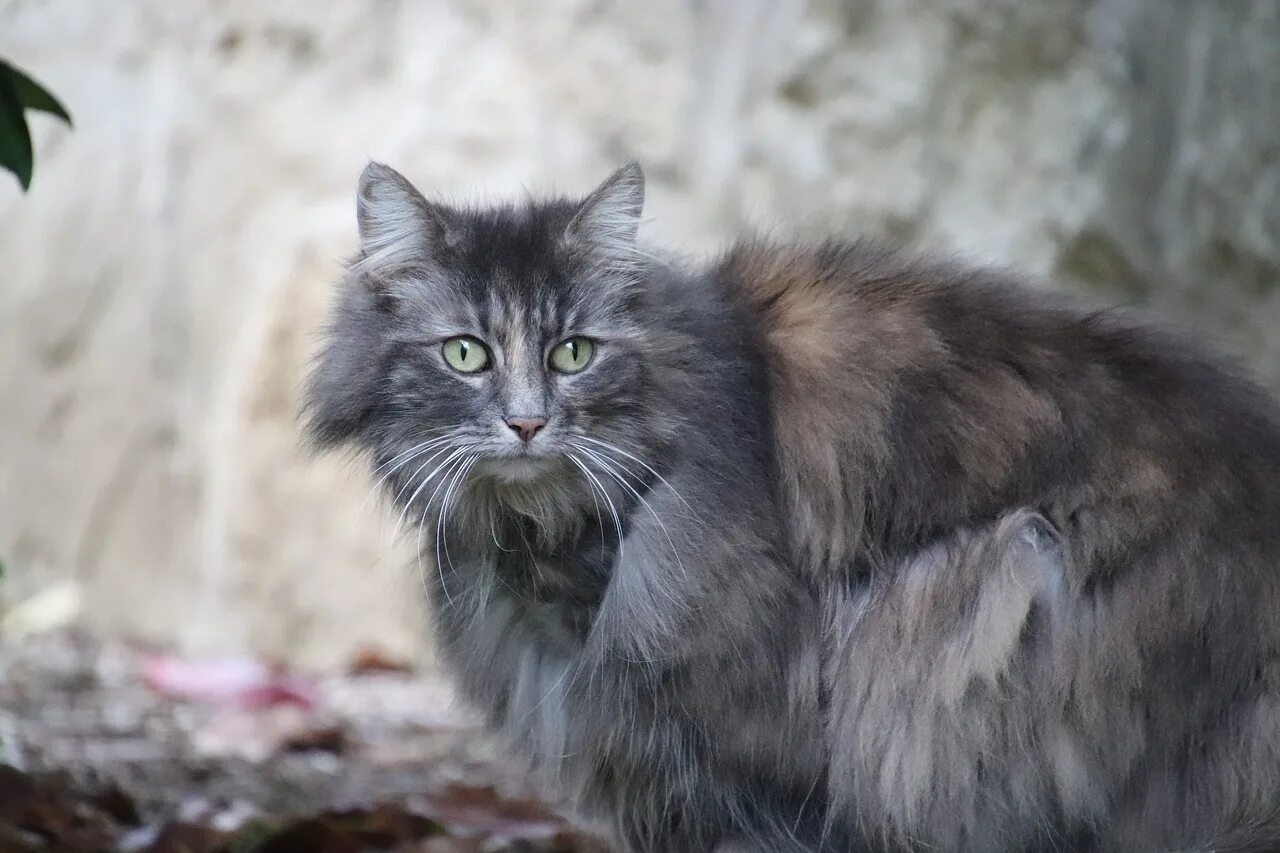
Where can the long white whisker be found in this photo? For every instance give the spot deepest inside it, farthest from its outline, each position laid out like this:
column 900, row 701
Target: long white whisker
column 617, row 523
column 409, row 480
column 622, row 482
column 442, row 532
column 439, row 469
column 600, row 518
column 427, row 438
column 425, row 482
column 607, row 446
column 494, row 536
column 593, row 488
column 405, row 457
column 605, row 459
column 450, row 465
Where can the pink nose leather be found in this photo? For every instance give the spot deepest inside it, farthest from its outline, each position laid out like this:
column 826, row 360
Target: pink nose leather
column 526, row 428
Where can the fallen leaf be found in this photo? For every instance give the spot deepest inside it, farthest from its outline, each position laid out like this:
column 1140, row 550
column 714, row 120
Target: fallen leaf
column 112, row 800
column 372, row 660
column 245, row 683
column 331, row 739
column 312, row 835
column 182, row 837
column 45, row 808
column 386, row 825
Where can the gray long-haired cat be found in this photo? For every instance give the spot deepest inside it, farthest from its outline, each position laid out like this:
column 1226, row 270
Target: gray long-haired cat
column 821, row 547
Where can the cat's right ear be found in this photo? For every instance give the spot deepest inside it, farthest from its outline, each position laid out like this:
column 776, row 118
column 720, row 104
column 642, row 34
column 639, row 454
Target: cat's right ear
column 400, row 231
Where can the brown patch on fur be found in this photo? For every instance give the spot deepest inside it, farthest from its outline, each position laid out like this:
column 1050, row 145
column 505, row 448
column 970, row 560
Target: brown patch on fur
column 1003, row 417
column 813, row 314
column 820, row 332
column 841, row 326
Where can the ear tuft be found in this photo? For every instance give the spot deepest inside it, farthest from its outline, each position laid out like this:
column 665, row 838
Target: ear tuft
column 399, row 229
column 608, row 219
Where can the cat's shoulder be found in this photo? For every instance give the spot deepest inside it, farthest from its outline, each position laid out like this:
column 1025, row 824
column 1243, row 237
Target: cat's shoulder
column 794, row 282
column 856, row 302
column 874, row 303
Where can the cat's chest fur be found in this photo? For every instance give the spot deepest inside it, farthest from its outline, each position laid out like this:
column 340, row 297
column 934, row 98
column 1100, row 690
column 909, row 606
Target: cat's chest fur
column 558, row 583
column 515, row 588
column 519, row 610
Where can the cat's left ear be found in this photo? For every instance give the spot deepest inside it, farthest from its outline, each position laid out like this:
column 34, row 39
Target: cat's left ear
column 608, row 219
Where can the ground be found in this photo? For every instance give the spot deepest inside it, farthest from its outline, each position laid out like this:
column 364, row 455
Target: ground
column 108, row 747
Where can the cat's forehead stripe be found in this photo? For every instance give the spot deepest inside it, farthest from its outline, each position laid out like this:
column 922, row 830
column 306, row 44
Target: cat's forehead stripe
column 515, row 333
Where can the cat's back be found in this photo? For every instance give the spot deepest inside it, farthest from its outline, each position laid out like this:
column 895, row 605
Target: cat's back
column 911, row 396
column 922, row 410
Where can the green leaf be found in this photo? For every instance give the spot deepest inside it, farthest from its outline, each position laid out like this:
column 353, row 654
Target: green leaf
column 32, row 95
column 15, row 138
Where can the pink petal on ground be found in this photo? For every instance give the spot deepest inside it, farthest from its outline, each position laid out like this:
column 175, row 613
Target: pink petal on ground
column 241, row 682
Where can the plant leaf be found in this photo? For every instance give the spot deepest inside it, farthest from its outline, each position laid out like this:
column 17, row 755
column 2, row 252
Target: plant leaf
column 32, row 95
column 15, row 138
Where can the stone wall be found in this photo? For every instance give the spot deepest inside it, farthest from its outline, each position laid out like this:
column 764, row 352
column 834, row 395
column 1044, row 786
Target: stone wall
column 165, row 278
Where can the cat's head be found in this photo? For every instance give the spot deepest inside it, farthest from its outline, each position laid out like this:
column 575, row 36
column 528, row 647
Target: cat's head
column 513, row 339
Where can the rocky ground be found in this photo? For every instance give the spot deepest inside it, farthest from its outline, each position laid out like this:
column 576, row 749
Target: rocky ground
column 108, row 747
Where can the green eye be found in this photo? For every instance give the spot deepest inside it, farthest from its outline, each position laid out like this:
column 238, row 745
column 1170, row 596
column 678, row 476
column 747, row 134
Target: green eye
column 466, row 354
column 572, row 355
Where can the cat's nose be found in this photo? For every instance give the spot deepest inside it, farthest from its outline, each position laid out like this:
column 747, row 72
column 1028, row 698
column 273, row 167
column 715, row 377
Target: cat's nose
column 526, row 428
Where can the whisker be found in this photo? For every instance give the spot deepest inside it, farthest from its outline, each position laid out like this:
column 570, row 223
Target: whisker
column 617, row 523
column 409, row 456
column 395, row 530
column 622, row 482
column 494, row 536
column 409, row 480
column 596, row 504
column 641, row 462
column 605, row 459
column 456, row 459
column 442, row 532
column 439, row 469
column 425, row 435
column 425, row 482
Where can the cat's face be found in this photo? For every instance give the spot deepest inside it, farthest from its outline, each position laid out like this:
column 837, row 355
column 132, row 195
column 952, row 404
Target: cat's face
column 507, row 344
column 519, row 380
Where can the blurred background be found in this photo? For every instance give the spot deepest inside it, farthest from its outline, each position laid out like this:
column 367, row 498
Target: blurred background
column 165, row 277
